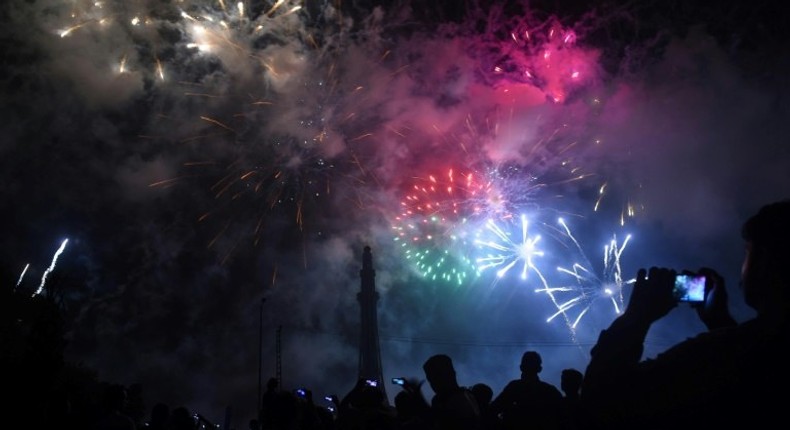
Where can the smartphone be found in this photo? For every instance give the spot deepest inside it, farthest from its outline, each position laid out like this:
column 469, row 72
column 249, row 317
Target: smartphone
column 371, row 382
column 689, row 288
column 398, row 381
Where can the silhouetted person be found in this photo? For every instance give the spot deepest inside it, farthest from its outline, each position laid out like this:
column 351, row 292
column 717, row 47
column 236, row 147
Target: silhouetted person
column 135, row 405
column 268, row 402
column 529, row 402
column 160, row 416
column 411, row 411
column 113, row 416
column 732, row 376
column 182, row 419
column 347, row 408
column 452, row 406
column 31, row 352
column 571, row 385
column 364, row 407
column 285, row 411
column 488, row 419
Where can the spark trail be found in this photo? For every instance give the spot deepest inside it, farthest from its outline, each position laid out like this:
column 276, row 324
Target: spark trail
column 22, row 275
column 574, row 299
column 51, row 267
column 505, row 251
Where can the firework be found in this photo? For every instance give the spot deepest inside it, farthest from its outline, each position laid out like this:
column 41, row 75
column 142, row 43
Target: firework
column 504, row 250
column 252, row 97
column 628, row 209
column 454, row 227
column 534, row 52
column 574, row 298
column 436, row 222
column 274, row 109
column 22, row 275
column 51, row 267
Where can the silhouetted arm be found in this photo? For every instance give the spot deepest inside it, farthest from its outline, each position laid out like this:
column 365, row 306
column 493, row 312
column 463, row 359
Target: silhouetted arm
column 414, row 388
column 614, row 358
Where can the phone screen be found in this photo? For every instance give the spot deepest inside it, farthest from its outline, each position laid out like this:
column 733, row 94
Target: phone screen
column 690, row 288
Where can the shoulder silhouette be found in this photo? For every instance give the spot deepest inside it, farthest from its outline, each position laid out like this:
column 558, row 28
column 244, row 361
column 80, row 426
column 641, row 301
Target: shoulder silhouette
column 529, row 402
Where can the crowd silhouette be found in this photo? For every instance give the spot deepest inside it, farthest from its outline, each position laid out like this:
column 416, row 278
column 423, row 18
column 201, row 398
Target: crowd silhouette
column 731, row 376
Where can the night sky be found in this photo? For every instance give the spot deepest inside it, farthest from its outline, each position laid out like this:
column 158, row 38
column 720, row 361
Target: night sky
column 201, row 157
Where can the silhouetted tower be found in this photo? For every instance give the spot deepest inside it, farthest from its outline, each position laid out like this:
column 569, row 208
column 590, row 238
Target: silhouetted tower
column 369, row 354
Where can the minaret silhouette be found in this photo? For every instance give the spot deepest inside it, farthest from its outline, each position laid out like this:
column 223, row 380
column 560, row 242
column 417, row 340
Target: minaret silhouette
column 369, row 353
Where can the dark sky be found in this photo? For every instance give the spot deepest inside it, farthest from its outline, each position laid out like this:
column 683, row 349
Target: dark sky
column 200, row 159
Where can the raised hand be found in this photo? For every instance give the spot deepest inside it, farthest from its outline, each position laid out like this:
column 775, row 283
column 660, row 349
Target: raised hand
column 714, row 311
column 651, row 297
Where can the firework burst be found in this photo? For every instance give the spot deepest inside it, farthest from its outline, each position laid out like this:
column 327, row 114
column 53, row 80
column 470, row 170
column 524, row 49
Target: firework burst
column 503, row 250
column 436, row 222
column 575, row 297
column 254, row 99
column 262, row 106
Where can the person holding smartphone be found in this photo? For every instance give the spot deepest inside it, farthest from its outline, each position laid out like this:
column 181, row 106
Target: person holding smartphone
column 726, row 377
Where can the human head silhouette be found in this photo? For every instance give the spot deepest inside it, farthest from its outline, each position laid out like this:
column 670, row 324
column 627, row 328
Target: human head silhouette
column 440, row 373
column 767, row 235
column 370, row 398
column 531, row 363
column 181, row 419
column 483, row 393
column 571, row 381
